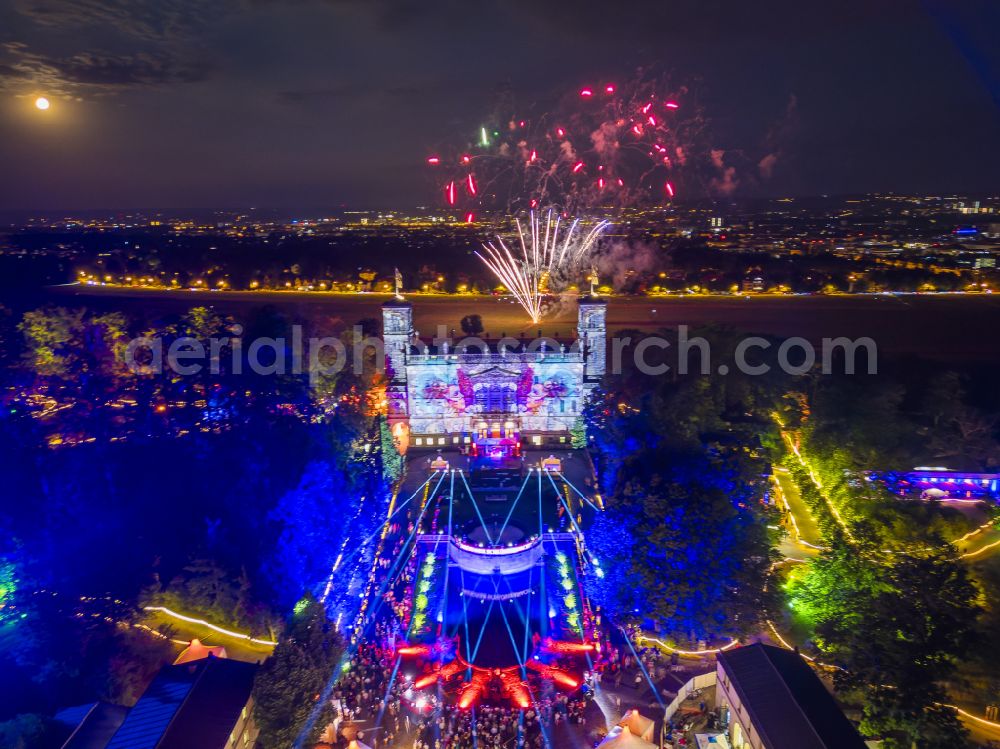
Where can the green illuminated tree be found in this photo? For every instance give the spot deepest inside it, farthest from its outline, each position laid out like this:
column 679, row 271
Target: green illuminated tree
column 898, row 625
column 203, row 323
column 392, row 461
column 52, row 338
column 8, row 588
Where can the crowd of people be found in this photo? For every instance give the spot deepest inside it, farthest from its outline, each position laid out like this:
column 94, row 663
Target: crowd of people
column 377, row 696
column 495, row 726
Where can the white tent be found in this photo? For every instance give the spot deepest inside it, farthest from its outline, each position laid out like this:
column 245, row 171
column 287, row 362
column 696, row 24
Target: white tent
column 638, row 724
column 622, row 738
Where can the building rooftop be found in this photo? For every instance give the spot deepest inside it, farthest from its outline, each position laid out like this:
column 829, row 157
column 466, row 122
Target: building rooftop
column 190, row 706
column 95, row 724
column 786, row 701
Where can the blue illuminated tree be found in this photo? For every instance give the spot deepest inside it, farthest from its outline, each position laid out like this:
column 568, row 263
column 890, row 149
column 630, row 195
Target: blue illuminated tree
column 313, row 521
column 701, row 561
column 610, row 540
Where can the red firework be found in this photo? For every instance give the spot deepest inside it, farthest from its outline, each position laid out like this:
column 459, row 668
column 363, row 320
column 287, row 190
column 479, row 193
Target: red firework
column 634, row 139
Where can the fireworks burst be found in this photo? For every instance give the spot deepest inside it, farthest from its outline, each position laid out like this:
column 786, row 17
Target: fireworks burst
column 545, row 256
column 601, row 146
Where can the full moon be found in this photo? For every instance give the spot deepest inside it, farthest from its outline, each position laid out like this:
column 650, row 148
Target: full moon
column 42, row 103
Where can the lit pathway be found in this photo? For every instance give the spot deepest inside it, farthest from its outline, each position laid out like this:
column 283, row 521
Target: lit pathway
column 979, row 544
column 976, row 545
column 238, row 646
column 804, row 537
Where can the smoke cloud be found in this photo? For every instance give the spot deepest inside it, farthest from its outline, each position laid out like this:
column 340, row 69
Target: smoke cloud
column 624, row 263
column 777, row 138
column 767, row 164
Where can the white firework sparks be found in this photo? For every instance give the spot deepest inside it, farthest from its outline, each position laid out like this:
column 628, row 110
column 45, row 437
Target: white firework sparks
column 544, row 254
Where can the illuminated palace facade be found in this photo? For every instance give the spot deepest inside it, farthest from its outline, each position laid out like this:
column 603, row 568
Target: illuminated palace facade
column 492, row 398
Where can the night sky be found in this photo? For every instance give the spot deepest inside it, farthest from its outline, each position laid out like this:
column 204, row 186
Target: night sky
column 314, row 104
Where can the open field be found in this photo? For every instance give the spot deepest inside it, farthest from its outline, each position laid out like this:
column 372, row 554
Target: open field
column 931, row 326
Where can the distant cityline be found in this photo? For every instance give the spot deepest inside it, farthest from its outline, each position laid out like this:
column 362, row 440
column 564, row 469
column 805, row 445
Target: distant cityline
column 19, row 217
column 873, row 244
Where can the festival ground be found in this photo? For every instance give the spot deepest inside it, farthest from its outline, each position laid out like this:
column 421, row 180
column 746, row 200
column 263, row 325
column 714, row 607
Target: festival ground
column 504, row 657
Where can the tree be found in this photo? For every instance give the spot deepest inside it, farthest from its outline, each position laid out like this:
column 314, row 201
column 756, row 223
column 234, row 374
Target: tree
column 392, row 460
column 913, row 635
column 832, row 597
column 66, row 650
column 8, row 344
column 290, row 681
column 702, row 561
column 959, row 434
column 8, row 589
column 136, row 659
column 313, row 521
column 472, row 325
column 51, row 336
column 71, row 344
column 898, row 625
column 863, row 418
column 31, row 731
column 203, row 323
column 610, row 539
column 680, row 462
column 206, row 587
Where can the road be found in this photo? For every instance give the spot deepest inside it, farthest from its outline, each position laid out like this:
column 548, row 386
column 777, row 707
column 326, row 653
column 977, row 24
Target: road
column 980, row 729
column 980, row 544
